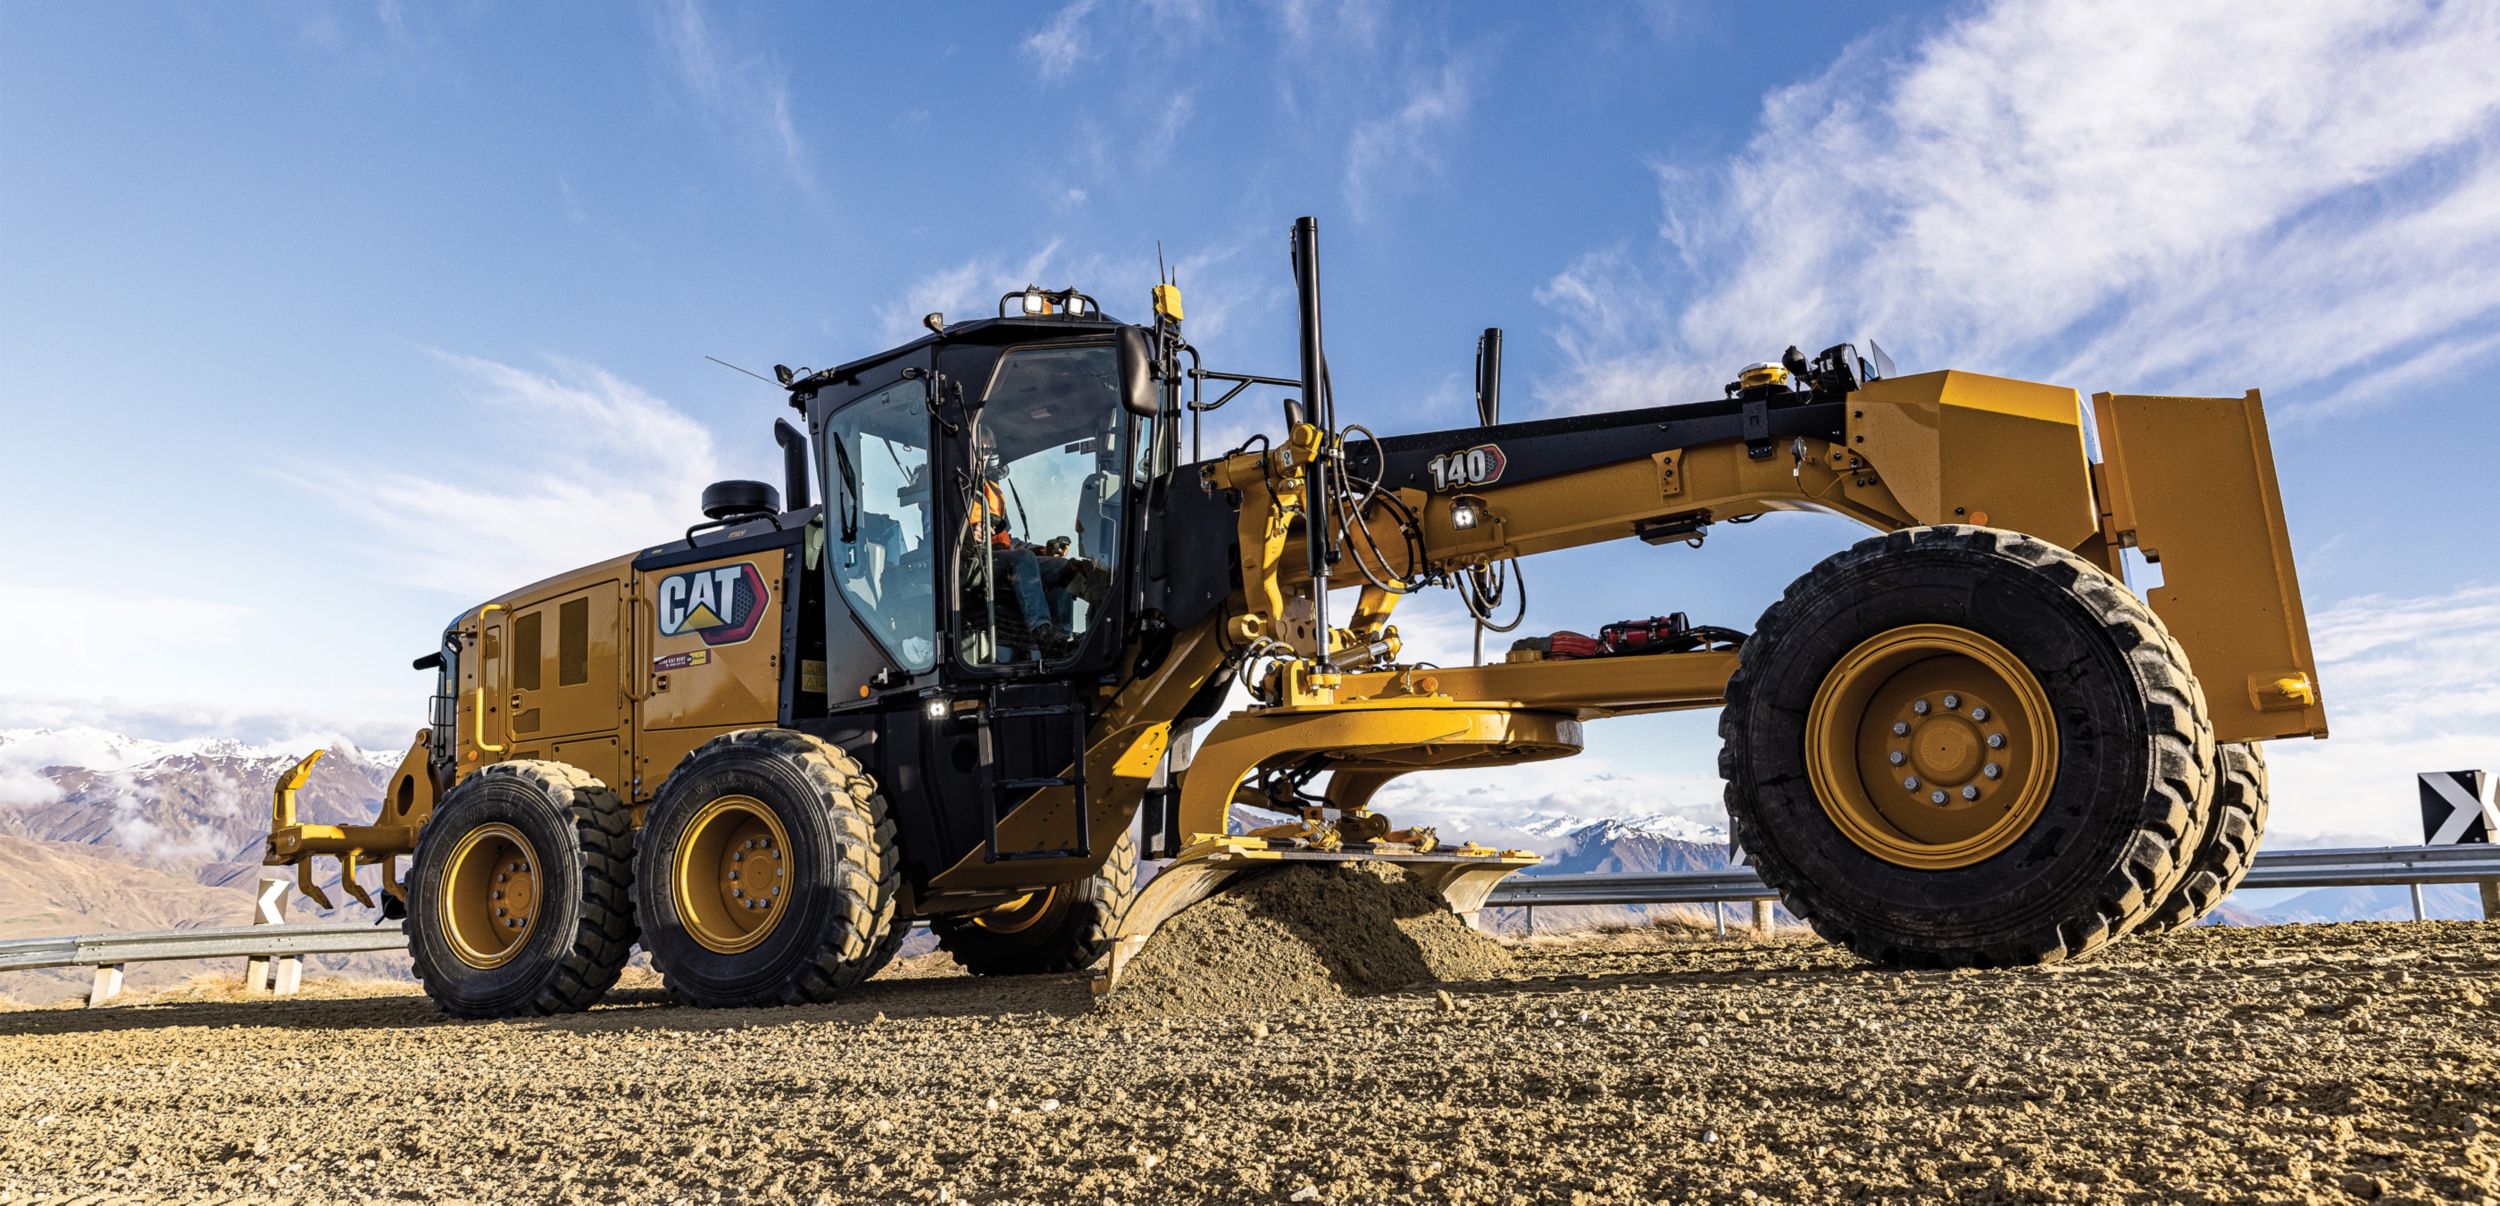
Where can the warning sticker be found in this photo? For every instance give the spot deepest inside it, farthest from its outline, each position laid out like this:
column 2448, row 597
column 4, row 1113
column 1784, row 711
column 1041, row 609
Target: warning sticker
column 679, row 661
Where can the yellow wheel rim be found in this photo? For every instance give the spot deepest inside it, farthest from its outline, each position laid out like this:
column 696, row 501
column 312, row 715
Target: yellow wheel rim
column 1932, row 747
column 489, row 903
column 1018, row 915
column 731, row 874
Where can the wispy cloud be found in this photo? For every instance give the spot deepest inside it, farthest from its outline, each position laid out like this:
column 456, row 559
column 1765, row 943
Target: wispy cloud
column 2178, row 197
column 746, row 97
column 67, row 633
column 592, row 463
column 2412, row 684
column 1059, row 45
column 1409, row 145
column 969, row 289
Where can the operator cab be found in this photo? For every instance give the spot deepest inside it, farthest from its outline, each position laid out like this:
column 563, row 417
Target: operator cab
column 978, row 489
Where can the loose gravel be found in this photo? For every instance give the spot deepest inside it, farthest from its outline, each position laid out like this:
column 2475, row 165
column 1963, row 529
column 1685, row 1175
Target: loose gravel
column 1304, row 934
column 2319, row 1063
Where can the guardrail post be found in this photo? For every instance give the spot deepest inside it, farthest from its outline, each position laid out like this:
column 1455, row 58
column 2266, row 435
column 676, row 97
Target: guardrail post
column 1718, row 915
column 108, row 984
column 2491, row 899
column 1762, row 918
column 263, row 974
column 2417, row 902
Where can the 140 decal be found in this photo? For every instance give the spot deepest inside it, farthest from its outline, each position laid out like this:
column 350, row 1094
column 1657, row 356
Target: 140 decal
column 1478, row 466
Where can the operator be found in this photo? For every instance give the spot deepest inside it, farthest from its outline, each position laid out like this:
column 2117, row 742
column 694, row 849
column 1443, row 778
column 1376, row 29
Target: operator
column 1045, row 617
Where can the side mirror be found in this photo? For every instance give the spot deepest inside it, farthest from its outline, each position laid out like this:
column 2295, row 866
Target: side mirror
column 1139, row 394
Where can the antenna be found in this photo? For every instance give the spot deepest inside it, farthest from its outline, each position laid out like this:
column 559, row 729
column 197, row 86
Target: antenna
column 725, row 364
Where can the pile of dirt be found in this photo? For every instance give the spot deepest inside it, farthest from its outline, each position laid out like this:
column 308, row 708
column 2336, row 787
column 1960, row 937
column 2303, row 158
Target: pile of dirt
column 1305, row 933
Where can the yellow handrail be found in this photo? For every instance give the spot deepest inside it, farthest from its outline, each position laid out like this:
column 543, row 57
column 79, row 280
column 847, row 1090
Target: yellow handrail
column 477, row 698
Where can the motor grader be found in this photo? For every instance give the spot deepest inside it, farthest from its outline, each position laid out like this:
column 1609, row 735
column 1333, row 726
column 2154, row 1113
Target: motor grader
column 983, row 677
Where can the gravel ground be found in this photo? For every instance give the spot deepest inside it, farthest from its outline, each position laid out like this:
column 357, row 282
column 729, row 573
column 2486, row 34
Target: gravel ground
column 2319, row 1063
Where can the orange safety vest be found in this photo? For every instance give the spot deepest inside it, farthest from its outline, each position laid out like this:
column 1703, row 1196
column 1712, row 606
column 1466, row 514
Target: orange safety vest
column 994, row 506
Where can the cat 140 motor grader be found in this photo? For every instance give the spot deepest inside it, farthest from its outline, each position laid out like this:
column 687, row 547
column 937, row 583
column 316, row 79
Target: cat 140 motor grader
column 982, row 678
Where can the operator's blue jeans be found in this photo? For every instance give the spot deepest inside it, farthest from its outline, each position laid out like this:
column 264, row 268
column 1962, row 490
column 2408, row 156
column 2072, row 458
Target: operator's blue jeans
column 1025, row 570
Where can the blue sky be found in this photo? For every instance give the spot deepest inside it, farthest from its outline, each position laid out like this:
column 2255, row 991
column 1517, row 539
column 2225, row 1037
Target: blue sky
column 319, row 322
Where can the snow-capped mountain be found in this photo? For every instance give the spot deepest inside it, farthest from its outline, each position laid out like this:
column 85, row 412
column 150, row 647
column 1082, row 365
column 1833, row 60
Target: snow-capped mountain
column 101, row 831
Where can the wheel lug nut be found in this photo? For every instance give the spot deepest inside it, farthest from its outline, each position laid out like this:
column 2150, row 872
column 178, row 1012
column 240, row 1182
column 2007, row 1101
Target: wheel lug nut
column 1952, row 701
column 1900, row 728
column 499, row 911
column 1996, row 741
column 1910, row 784
column 1898, row 757
column 776, row 889
column 1970, row 791
column 738, row 857
column 1935, row 797
column 1979, row 713
column 737, row 891
column 497, row 896
column 1920, row 707
column 501, row 877
column 1992, row 770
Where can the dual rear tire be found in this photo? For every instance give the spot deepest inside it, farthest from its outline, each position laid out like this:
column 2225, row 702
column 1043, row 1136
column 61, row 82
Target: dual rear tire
column 765, row 874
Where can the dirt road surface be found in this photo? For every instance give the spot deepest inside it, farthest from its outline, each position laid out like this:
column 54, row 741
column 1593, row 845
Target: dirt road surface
column 2319, row 1063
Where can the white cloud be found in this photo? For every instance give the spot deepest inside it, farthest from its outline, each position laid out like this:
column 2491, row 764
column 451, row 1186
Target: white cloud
column 2411, row 685
column 1407, row 147
column 1336, row 23
column 2171, row 197
column 1057, row 46
column 593, row 463
column 53, row 634
column 970, row 289
column 746, row 97
column 1210, row 277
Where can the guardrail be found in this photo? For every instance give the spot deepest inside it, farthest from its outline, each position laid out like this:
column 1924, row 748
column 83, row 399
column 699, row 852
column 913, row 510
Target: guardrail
column 2367, row 867
column 2364, row 867
column 284, row 944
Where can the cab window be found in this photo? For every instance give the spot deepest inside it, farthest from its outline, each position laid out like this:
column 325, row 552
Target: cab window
column 1043, row 503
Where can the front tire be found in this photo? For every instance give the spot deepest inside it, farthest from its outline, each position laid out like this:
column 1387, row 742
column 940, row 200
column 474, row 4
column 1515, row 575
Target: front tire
column 2042, row 812
column 521, row 892
column 2229, row 846
column 1063, row 928
column 769, row 873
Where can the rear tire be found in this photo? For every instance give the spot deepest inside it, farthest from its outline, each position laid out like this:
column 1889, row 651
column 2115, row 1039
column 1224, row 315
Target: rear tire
column 769, row 872
column 1062, row 929
column 2086, row 674
column 562, row 845
column 2229, row 846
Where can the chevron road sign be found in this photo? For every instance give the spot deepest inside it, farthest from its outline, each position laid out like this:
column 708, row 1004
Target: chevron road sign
column 2452, row 808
